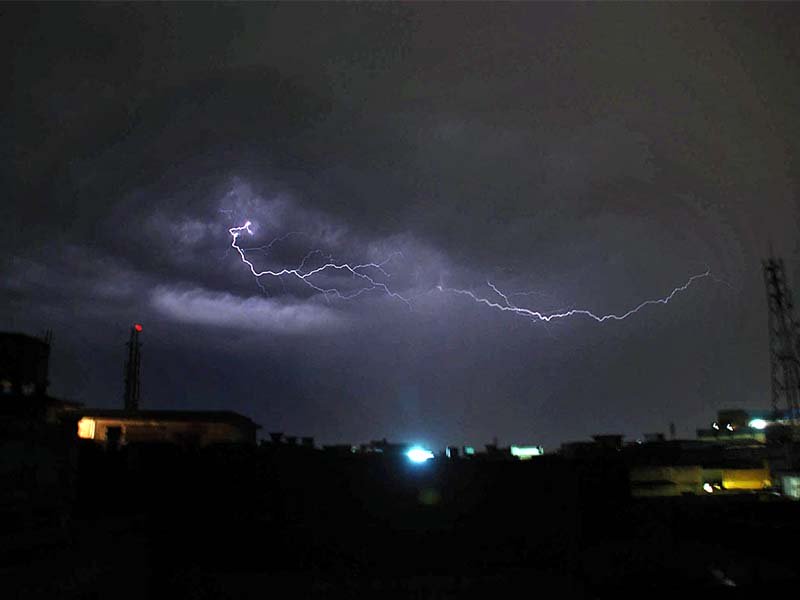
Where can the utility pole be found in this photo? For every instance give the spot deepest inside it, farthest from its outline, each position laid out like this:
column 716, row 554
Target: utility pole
column 783, row 341
column 133, row 367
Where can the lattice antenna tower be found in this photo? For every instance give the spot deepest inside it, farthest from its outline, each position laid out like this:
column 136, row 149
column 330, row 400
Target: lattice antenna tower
column 133, row 367
column 784, row 341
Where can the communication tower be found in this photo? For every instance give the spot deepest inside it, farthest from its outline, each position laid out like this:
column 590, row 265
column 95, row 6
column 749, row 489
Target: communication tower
column 784, row 346
column 133, row 366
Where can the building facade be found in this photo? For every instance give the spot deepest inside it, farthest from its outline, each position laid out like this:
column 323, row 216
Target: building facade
column 187, row 429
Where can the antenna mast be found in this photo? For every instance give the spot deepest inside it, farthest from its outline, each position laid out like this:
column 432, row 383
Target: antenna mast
column 133, row 370
column 783, row 341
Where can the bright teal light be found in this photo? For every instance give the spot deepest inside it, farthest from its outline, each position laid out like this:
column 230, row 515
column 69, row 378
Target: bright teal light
column 758, row 424
column 524, row 452
column 419, row 455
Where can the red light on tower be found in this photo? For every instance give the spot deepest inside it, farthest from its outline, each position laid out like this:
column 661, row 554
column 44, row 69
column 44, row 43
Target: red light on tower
column 137, row 326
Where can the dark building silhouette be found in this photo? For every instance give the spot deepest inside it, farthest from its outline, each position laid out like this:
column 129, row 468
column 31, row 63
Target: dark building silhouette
column 24, row 361
column 27, row 411
column 177, row 497
column 37, row 435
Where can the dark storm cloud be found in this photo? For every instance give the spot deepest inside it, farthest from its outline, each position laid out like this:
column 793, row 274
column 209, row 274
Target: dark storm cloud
column 587, row 156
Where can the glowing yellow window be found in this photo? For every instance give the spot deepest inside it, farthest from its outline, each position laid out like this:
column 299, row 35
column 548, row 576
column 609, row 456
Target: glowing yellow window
column 86, row 428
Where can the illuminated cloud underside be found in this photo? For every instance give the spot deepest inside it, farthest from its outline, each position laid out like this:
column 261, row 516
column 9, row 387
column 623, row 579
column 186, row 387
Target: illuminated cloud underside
column 257, row 313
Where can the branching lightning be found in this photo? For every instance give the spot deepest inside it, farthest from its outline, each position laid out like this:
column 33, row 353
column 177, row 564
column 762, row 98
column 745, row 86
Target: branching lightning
column 366, row 274
column 508, row 306
column 358, row 272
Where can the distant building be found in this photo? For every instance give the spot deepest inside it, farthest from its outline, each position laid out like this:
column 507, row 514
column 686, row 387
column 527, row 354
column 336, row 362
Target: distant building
column 182, row 428
column 679, row 480
column 24, row 402
column 602, row 446
column 661, row 467
column 385, row 447
column 681, row 467
column 37, row 433
column 279, row 439
column 187, row 429
column 739, row 425
column 24, row 363
column 382, row 449
column 666, row 480
column 340, row 449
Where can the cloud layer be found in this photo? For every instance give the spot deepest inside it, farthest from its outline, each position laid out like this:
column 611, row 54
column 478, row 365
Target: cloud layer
column 221, row 309
column 588, row 156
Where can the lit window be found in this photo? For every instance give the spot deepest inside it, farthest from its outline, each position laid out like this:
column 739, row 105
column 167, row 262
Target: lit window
column 86, row 428
column 525, row 452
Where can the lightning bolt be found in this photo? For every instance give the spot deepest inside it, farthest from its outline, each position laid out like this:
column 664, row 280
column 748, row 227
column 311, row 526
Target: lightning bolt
column 359, row 272
column 508, row 306
column 365, row 273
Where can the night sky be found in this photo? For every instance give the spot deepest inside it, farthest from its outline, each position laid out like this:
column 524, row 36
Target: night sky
column 592, row 155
